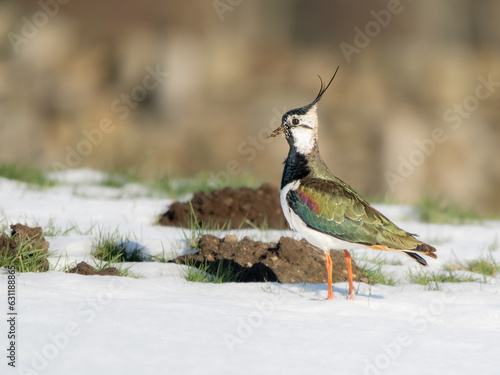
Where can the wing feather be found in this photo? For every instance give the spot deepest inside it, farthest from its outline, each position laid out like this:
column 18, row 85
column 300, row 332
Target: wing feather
column 331, row 208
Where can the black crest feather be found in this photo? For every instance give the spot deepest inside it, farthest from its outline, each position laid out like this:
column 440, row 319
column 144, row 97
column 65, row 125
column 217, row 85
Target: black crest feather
column 305, row 109
column 323, row 88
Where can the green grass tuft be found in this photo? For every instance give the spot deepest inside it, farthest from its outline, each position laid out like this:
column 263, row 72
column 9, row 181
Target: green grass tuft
column 110, row 247
column 100, row 264
column 26, row 257
column 164, row 257
column 52, row 230
column 198, row 228
column 25, row 173
column 371, row 268
column 263, row 227
column 4, row 225
column 375, row 275
column 432, row 279
column 97, row 264
column 486, row 266
column 217, row 272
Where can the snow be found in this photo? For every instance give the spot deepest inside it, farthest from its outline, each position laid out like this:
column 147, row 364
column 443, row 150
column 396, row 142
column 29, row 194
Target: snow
column 161, row 323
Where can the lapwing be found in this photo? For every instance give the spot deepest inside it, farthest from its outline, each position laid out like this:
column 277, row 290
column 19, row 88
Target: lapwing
column 325, row 210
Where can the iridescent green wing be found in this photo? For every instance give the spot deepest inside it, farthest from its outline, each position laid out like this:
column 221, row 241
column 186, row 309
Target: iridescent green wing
column 335, row 209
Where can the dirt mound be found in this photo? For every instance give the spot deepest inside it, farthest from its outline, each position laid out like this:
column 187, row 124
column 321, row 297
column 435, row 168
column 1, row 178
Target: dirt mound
column 83, row 268
column 288, row 261
column 244, row 207
column 27, row 245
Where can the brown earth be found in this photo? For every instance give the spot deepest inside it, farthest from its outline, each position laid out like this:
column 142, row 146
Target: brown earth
column 234, row 208
column 83, row 268
column 25, row 241
column 288, row 261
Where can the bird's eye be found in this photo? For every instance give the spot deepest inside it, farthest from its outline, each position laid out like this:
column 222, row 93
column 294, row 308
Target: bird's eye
column 295, row 121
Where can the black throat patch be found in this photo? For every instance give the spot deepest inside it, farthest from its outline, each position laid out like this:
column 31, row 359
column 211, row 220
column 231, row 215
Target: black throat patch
column 296, row 167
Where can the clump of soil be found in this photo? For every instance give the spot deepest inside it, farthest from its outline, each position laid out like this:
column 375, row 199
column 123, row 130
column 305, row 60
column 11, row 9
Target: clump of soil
column 27, row 245
column 83, row 268
column 243, row 207
column 288, row 261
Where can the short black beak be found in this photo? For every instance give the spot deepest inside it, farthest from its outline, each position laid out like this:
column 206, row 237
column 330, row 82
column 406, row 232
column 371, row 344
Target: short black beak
column 277, row 131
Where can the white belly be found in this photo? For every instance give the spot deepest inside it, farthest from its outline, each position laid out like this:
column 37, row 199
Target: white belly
column 321, row 240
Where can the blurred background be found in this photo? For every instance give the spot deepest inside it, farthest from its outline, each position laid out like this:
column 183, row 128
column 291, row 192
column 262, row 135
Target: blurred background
column 185, row 87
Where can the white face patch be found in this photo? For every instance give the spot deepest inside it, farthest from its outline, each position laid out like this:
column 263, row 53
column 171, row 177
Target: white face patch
column 305, row 138
column 310, row 118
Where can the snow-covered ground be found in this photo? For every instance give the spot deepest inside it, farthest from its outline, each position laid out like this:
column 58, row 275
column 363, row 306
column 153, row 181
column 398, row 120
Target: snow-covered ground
column 160, row 323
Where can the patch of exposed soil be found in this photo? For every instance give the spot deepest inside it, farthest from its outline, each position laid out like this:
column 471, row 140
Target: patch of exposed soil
column 25, row 242
column 288, row 261
column 83, row 268
column 243, row 207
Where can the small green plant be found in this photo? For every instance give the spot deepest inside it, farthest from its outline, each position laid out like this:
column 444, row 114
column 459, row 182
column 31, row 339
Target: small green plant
column 163, row 257
column 97, row 264
column 371, row 268
column 271, row 288
column 110, row 247
column 24, row 173
column 484, row 266
column 263, row 227
column 64, row 267
column 52, row 230
column 436, row 211
column 24, row 256
column 198, row 228
column 381, row 260
column 217, row 272
column 100, row 264
column 375, row 275
column 4, row 225
column 432, row 279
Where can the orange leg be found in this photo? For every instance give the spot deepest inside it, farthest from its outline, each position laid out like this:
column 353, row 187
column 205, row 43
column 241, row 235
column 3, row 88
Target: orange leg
column 349, row 274
column 329, row 269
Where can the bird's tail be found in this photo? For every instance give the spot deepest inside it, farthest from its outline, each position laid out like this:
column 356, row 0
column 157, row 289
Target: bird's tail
column 421, row 249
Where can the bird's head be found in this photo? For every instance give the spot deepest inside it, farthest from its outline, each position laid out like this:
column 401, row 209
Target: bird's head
column 300, row 125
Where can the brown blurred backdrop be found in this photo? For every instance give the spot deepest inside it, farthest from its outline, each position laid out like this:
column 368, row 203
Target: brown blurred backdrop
column 411, row 73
